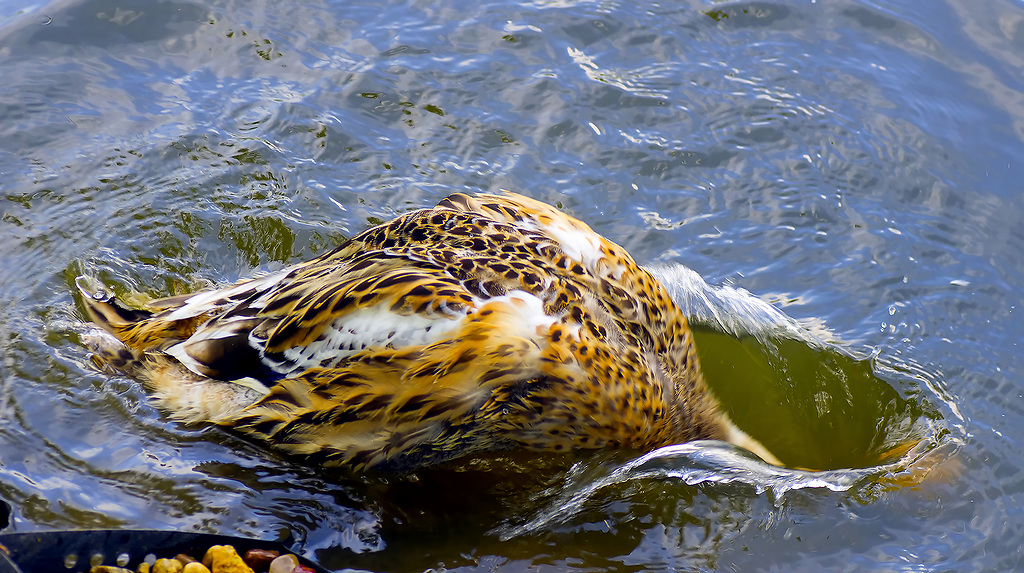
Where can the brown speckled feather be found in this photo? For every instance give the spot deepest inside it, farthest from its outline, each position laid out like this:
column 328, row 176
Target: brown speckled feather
column 487, row 322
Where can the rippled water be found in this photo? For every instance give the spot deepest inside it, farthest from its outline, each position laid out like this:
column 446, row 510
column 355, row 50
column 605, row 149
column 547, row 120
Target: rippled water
column 858, row 165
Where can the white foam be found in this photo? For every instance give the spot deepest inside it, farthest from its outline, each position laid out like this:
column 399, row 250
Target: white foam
column 732, row 310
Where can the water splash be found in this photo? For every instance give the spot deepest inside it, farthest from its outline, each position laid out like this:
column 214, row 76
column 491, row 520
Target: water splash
column 740, row 313
column 716, row 463
column 693, row 463
column 733, row 310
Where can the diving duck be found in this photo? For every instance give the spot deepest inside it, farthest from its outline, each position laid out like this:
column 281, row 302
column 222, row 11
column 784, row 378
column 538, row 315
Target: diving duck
column 485, row 323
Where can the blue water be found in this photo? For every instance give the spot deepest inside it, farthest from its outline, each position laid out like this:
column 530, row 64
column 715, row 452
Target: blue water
column 856, row 164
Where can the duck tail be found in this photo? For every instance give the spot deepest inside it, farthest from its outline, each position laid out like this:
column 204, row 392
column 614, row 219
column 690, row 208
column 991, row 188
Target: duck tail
column 124, row 344
column 106, row 312
column 110, row 353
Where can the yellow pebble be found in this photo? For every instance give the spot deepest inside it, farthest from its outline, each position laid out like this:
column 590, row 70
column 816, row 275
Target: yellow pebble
column 167, row 566
column 224, row 559
column 142, row 568
column 195, row 567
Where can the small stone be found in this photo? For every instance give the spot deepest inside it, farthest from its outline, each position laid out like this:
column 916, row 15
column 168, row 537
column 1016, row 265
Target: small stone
column 284, row 564
column 167, row 566
column 195, row 567
column 260, row 559
column 224, row 559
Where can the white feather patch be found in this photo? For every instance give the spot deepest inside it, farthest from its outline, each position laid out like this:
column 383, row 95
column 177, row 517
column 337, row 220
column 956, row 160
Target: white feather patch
column 206, row 301
column 582, row 246
column 530, row 309
column 373, row 327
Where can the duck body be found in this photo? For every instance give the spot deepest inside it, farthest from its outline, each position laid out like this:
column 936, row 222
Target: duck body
column 485, row 323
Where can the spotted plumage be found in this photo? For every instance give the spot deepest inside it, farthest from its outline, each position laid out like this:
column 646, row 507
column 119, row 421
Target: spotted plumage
column 485, row 323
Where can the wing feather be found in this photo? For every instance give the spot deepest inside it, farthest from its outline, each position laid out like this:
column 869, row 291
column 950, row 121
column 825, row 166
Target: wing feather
column 388, row 405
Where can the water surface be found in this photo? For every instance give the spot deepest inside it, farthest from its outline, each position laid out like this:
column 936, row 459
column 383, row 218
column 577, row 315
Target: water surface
column 856, row 165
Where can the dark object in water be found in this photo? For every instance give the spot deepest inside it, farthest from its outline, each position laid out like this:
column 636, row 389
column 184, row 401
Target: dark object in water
column 73, row 551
